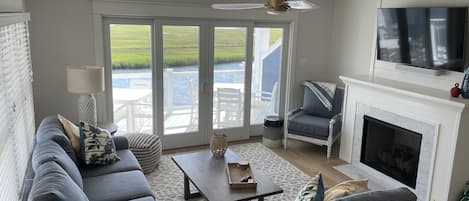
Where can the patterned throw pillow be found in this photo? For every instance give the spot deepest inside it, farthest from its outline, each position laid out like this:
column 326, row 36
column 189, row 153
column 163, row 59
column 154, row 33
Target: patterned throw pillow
column 465, row 195
column 313, row 191
column 97, row 146
column 346, row 188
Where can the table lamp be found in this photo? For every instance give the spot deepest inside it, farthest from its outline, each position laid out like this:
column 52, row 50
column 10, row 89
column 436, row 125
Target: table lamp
column 86, row 80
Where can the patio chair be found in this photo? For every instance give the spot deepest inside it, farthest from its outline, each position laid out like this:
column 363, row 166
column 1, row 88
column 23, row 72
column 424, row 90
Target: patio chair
column 264, row 103
column 314, row 123
column 230, row 104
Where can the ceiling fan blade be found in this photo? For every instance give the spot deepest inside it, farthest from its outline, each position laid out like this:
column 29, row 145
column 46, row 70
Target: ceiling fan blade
column 237, row 6
column 302, row 5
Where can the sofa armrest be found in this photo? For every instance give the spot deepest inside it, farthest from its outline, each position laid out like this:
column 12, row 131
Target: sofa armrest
column 398, row 194
column 121, row 142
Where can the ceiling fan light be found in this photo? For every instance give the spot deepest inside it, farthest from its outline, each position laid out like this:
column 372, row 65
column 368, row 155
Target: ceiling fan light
column 302, row 5
column 236, row 6
column 274, row 12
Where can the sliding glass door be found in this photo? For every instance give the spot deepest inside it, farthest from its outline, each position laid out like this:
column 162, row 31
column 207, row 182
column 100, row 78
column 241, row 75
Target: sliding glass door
column 130, row 51
column 181, row 97
column 230, row 92
column 185, row 80
column 266, row 73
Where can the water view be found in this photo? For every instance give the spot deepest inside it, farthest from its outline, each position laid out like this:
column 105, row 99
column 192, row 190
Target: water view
column 133, row 88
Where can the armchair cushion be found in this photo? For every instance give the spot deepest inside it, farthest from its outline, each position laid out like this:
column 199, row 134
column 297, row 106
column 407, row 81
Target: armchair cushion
column 313, row 106
column 309, row 126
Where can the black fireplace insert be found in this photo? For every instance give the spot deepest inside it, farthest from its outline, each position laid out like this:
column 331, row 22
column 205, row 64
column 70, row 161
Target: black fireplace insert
column 391, row 150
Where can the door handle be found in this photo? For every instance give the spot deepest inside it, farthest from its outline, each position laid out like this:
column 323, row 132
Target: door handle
column 204, row 86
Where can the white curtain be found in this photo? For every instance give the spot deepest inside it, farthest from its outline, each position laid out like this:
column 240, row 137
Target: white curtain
column 16, row 104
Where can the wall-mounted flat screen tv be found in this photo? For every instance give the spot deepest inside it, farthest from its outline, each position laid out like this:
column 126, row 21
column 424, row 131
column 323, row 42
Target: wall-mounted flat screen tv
column 423, row 37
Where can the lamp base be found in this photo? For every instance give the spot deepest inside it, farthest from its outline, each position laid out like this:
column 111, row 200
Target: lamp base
column 87, row 109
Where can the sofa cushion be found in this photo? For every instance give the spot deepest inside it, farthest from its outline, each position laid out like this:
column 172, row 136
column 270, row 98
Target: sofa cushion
column 309, row 126
column 121, row 142
column 96, row 145
column 127, row 162
column 398, row 194
column 117, row 186
column 52, row 129
column 313, row 106
column 51, row 151
column 52, row 183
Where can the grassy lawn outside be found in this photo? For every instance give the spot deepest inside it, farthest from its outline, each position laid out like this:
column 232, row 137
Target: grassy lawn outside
column 131, row 45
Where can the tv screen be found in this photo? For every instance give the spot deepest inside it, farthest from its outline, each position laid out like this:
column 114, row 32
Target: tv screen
column 423, row 37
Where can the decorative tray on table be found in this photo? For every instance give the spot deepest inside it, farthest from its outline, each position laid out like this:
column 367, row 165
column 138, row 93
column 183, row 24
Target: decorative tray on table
column 240, row 175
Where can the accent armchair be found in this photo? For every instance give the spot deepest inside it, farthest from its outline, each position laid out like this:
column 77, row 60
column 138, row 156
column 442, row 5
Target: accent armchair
column 314, row 123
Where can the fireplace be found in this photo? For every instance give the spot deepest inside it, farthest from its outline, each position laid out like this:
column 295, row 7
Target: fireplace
column 391, row 150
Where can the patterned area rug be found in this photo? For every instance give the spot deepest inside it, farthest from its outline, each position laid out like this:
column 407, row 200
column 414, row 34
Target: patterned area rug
column 167, row 180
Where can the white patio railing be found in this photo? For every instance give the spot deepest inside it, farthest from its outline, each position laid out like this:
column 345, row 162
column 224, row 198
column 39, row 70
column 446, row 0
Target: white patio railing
column 133, row 108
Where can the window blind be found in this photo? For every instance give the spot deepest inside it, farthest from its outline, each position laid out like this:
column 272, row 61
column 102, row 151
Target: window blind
column 16, row 104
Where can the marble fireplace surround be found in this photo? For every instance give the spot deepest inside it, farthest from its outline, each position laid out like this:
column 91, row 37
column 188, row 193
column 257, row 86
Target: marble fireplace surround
column 427, row 149
column 442, row 121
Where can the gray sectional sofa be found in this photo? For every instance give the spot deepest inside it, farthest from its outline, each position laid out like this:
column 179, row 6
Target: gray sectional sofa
column 55, row 172
column 398, row 194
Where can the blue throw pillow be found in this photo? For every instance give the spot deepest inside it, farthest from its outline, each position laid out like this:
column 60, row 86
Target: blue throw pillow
column 313, row 106
column 96, row 145
column 313, row 191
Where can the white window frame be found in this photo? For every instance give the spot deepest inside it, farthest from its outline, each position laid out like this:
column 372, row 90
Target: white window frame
column 171, row 11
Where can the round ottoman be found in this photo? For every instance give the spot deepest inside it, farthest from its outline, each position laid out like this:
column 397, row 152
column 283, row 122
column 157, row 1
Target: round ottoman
column 147, row 150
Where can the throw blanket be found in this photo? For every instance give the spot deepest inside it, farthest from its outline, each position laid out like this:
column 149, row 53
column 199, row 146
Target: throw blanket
column 325, row 92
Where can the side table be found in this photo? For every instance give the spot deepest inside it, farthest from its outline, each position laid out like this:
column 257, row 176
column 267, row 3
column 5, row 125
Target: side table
column 109, row 126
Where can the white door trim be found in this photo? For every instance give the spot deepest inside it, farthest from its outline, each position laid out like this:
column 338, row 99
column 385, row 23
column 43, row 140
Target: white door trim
column 206, row 40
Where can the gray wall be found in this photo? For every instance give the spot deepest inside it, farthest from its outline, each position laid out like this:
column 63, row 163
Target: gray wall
column 352, row 37
column 62, row 34
column 11, row 6
column 312, row 49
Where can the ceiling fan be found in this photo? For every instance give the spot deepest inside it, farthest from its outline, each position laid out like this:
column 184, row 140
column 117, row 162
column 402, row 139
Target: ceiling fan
column 273, row 6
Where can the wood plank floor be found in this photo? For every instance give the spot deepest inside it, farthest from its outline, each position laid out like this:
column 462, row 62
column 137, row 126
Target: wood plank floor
column 309, row 158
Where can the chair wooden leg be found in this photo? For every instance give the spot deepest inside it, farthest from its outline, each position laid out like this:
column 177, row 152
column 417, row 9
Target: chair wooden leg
column 329, row 151
column 285, row 143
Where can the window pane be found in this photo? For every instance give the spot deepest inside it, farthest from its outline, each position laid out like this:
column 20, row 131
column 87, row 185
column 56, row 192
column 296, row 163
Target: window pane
column 181, row 79
column 229, row 69
column 132, row 77
column 266, row 70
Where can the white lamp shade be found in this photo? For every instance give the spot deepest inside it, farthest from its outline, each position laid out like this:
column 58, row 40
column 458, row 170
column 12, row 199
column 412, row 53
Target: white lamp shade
column 85, row 79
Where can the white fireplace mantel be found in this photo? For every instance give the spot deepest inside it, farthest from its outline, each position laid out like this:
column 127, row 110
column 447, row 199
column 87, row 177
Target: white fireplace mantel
column 431, row 106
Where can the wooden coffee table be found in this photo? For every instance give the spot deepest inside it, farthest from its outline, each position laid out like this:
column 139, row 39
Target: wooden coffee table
column 208, row 174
